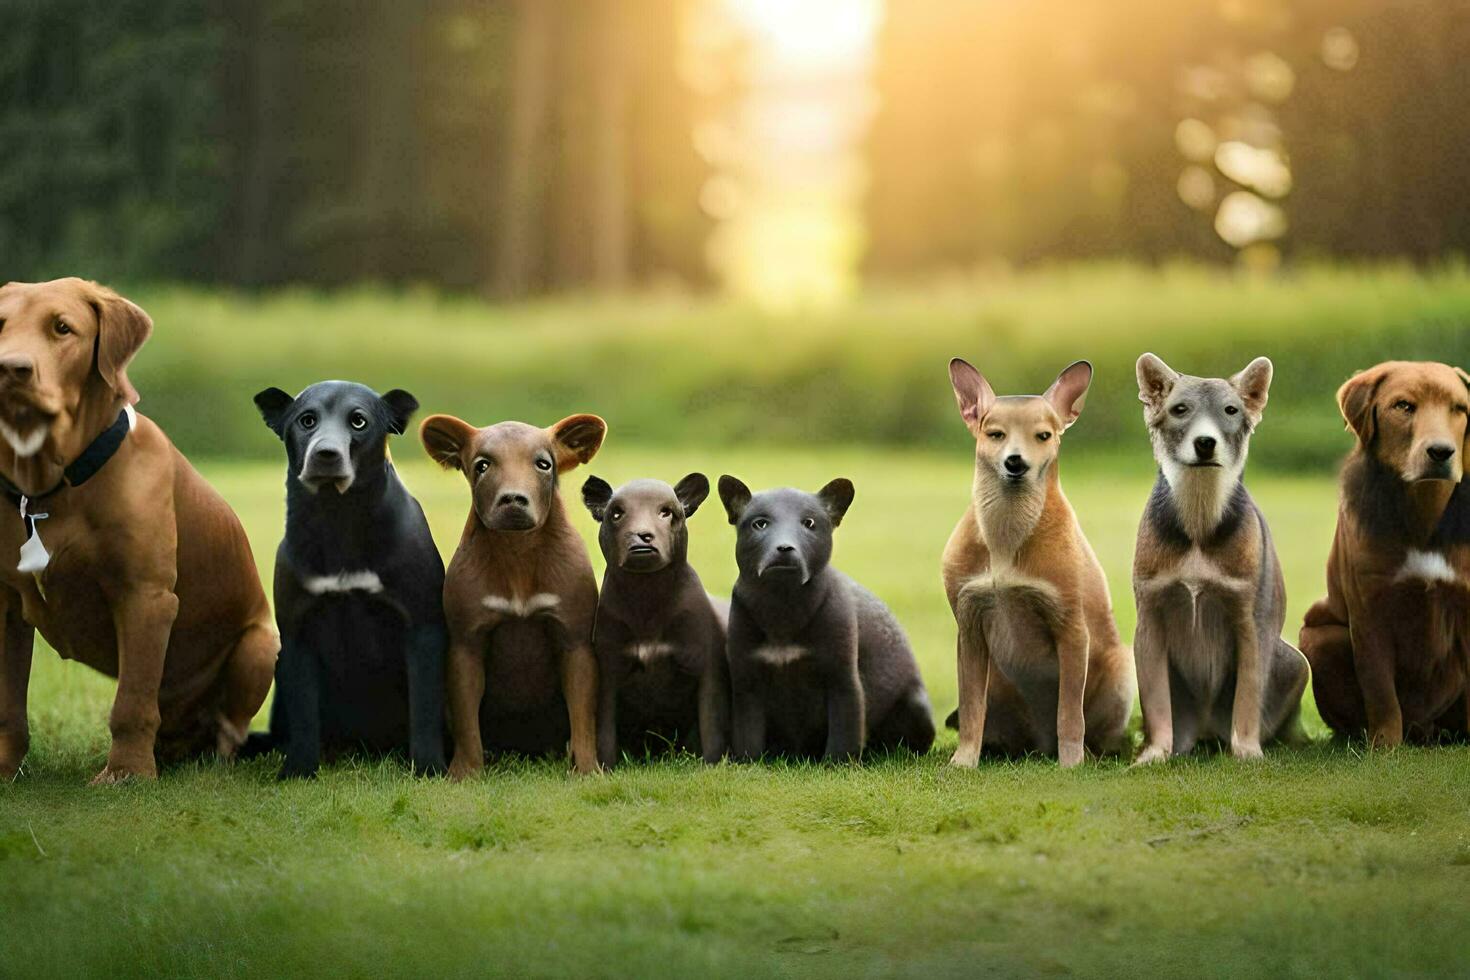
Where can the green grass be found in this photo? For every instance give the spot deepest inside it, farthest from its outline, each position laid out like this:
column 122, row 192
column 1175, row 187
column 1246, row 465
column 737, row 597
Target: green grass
column 1316, row 862
column 699, row 371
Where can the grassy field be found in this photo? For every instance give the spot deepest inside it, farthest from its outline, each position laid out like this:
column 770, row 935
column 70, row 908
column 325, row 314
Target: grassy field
column 1316, row 862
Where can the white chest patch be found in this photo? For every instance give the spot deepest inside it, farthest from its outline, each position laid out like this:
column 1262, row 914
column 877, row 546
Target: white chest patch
column 1006, row 578
column 1198, row 574
column 541, row 602
column 780, row 656
column 343, row 582
column 1430, row 566
column 647, row 652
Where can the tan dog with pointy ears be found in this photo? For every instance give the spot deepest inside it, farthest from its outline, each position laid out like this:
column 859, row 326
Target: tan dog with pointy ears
column 133, row 564
column 1041, row 665
column 1390, row 643
column 519, row 594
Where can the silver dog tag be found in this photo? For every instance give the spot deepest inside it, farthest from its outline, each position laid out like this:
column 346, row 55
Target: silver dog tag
column 33, row 554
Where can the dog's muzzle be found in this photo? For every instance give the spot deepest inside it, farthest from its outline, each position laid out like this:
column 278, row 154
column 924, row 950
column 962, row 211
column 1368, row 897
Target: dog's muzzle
column 326, row 466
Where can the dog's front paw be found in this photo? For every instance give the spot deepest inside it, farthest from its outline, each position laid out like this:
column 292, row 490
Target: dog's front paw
column 113, row 774
column 1386, row 737
column 1152, row 755
column 965, row 758
column 1248, row 750
column 292, row 770
column 461, row 768
column 1070, row 754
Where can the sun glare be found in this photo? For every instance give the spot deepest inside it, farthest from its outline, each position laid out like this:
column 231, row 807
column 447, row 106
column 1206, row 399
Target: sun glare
column 791, row 226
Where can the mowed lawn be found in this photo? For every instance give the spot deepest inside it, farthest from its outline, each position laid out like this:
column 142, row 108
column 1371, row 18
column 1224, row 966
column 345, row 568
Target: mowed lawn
column 1325, row 861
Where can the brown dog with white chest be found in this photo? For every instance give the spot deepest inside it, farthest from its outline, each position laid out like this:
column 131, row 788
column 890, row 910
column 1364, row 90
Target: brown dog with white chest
column 114, row 547
column 1390, row 644
column 1041, row 665
column 519, row 594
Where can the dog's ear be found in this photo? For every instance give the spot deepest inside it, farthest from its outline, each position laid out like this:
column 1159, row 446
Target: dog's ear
column 122, row 328
column 274, row 404
column 1357, row 399
column 1155, row 380
column 1068, row 393
column 972, row 392
column 1253, row 383
column 691, row 492
column 577, row 439
column 596, row 495
column 445, row 438
column 836, row 497
column 735, row 496
column 401, row 406
column 1463, row 376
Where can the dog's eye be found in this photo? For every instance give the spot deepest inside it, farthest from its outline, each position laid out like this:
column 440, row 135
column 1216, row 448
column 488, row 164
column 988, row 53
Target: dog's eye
column 615, row 516
column 1404, row 406
column 1231, row 410
column 667, row 513
column 358, row 421
column 308, row 421
column 760, row 523
column 995, row 435
column 481, row 465
column 1180, row 409
column 543, row 464
column 62, row 329
column 1043, row 436
column 808, row 522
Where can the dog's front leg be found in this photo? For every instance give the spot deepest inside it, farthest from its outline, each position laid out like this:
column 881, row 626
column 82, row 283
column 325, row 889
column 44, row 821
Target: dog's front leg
column 747, row 693
column 298, row 689
column 972, row 655
column 1072, row 651
column 609, row 672
column 579, row 685
column 714, row 705
column 465, row 683
column 845, row 714
column 15, row 677
column 1151, row 656
column 1245, row 715
column 142, row 616
column 1373, row 659
column 426, row 653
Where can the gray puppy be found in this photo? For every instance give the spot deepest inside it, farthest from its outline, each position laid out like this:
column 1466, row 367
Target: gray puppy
column 818, row 665
column 1211, row 600
column 659, row 637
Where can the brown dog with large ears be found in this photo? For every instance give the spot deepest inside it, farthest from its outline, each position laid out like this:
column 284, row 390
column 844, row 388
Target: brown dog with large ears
column 114, row 547
column 519, row 594
column 1041, row 666
column 1390, row 643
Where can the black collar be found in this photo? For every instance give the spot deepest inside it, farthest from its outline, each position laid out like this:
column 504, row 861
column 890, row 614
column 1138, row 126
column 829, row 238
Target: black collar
column 85, row 466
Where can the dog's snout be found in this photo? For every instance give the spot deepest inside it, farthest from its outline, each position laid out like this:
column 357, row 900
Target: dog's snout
column 1204, row 446
column 1015, row 465
column 645, row 536
column 1440, row 452
column 785, row 549
column 326, row 454
column 512, row 499
column 17, row 368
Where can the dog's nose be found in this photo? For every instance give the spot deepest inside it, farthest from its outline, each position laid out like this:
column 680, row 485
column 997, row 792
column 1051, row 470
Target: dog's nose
column 326, row 455
column 509, row 499
column 645, row 536
column 1204, row 446
column 1440, row 452
column 1015, row 465
column 785, row 549
column 17, row 368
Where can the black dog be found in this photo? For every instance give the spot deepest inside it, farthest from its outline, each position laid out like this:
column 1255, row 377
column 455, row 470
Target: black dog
column 818, row 665
column 659, row 638
column 359, row 586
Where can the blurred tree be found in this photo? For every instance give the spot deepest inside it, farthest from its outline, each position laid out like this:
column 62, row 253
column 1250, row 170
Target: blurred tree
column 1159, row 128
column 509, row 146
